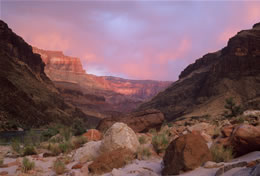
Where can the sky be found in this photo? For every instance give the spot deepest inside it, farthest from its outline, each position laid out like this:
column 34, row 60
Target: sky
column 131, row 39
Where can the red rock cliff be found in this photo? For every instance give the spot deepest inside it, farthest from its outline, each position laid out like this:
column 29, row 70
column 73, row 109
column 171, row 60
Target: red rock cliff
column 121, row 94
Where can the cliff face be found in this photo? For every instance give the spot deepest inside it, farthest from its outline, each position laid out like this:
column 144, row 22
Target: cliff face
column 56, row 60
column 203, row 86
column 110, row 93
column 27, row 97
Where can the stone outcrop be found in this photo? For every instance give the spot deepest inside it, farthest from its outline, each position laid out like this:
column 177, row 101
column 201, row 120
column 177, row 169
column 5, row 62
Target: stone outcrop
column 185, row 153
column 117, row 136
column 138, row 121
column 112, row 159
column 28, row 97
column 245, row 139
column 204, row 85
column 56, row 60
column 88, row 152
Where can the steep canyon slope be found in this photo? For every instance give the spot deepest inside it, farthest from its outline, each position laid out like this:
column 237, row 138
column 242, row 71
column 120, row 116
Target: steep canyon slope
column 99, row 96
column 28, row 98
column 204, row 85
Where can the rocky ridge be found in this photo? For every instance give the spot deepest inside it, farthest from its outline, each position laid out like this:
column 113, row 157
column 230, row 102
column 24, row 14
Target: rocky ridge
column 28, row 98
column 204, row 85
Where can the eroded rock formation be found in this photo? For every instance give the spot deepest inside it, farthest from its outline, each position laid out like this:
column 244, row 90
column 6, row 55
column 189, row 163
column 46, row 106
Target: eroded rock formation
column 28, row 98
column 204, row 85
column 98, row 96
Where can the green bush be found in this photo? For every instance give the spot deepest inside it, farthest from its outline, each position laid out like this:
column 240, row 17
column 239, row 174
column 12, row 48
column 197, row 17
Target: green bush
column 29, row 150
column 142, row 140
column 16, row 146
column 51, row 131
column 221, row 154
column 27, row 165
column 152, row 131
column 55, row 149
column 65, row 147
column 1, row 162
column 59, row 167
column 233, row 110
column 240, row 119
column 143, row 153
column 78, row 128
column 160, row 142
column 66, row 133
column 78, row 141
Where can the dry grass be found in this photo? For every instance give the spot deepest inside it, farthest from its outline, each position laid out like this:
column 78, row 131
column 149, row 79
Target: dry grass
column 143, row 153
column 221, row 154
column 142, row 140
column 160, row 142
column 27, row 165
column 59, row 167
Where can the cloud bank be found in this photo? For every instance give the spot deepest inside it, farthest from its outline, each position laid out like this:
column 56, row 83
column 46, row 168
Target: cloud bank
column 131, row 39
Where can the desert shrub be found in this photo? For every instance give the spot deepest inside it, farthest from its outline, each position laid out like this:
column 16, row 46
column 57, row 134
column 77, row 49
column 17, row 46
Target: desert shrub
column 29, row 150
column 66, row 133
column 240, row 119
column 16, row 146
column 221, row 154
column 233, row 110
column 51, row 131
column 143, row 153
column 170, row 125
column 160, row 142
column 166, row 123
column 65, row 147
column 142, row 140
column 78, row 128
column 1, row 162
column 152, row 131
column 59, row 167
column 27, row 165
column 66, row 159
column 55, row 149
column 56, row 139
column 78, row 141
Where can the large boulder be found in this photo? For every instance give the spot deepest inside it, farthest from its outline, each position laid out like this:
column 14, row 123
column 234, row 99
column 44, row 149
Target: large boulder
column 88, row 152
column 139, row 121
column 119, row 136
column 113, row 159
column 245, row 139
column 185, row 153
column 93, row 135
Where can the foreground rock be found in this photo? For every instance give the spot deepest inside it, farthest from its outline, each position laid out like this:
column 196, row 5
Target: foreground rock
column 110, row 160
column 119, row 136
column 88, row 152
column 185, row 153
column 139, row 121
column 245, row 139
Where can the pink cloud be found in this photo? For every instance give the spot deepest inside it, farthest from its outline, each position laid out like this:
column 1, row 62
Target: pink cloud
column 253, row 12
column 227, row 34
column 180, row 51
column 139, row 40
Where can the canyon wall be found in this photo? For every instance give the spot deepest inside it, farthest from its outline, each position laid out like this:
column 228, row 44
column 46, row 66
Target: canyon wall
column 100, row 96
column 204, row 85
